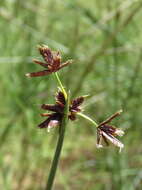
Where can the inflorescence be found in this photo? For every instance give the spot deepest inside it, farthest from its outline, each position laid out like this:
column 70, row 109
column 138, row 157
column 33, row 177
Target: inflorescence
column 52, row 63
column 54, row 119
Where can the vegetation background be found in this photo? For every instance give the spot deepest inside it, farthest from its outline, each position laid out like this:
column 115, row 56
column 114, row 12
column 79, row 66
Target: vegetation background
column 104, row 38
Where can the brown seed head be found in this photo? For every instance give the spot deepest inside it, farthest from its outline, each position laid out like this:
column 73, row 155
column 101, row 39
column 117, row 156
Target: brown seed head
column 52, row 62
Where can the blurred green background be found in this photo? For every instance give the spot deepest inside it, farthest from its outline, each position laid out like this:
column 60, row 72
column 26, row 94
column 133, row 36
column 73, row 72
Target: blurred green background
column 104, row 38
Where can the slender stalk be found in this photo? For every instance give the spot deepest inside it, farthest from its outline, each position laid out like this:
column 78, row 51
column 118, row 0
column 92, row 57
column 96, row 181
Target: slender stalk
column 61, row 85
column 88, row 118
column 58, row 148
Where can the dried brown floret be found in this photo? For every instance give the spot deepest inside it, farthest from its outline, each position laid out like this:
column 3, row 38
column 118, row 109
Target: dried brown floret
column 52, row 62
column 76, row 103
column 108, row 132
column 54, row 119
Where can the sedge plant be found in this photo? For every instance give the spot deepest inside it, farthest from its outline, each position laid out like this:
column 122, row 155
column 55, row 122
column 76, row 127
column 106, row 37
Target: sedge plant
column 65, row 109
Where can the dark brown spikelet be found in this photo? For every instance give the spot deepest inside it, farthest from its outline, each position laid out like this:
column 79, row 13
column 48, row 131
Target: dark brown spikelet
column 40, row 63
column 60, row 98
column 38, row 74
column 52, row 121
column 108, row 129
column 52, row 62
column 75, row 107
column 72, row 116
column 52, row 107
column 76, row 103
column 46, row 54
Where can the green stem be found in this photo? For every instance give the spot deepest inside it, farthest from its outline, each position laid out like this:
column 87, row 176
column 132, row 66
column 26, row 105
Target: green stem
column 58, row 149
column 60, row 84
column 88, row 118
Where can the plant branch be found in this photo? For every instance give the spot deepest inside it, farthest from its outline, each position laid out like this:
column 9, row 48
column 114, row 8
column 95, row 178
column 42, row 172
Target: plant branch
column 61, row 85
column 87, row 118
